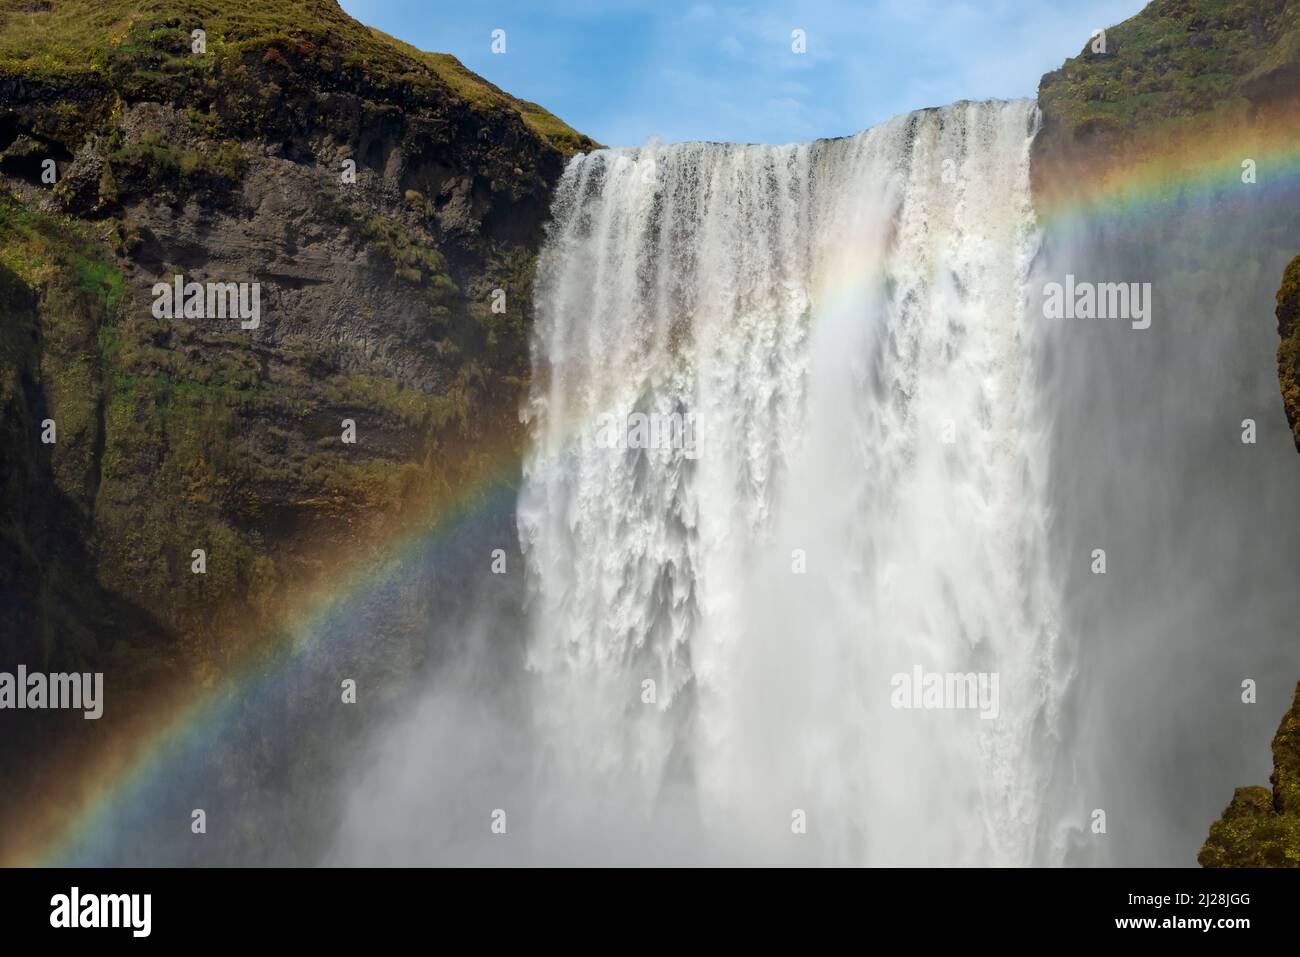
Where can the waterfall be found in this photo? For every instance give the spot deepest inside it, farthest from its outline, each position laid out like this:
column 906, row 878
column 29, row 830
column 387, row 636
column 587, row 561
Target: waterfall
column 787, row 447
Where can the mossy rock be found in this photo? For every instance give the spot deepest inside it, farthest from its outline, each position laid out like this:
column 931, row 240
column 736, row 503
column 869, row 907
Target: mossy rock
column 142, row 50
column 1288, row 351
column 1261, row 827
column 1178, row 82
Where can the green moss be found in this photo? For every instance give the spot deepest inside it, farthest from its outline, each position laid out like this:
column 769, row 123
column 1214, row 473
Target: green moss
column 143, row 49
column 413, row 258
column 204, row 447
column 410, row 408
column 1286, row 763
column 1173, row 61
column 101, row 279
column 505, row 326
column 76, row 291
column 1260, row 828
column 181, row 436
column 56, row 291
column 152, row 166
column 485, row 95
column 174, row 436
column 1288, row 350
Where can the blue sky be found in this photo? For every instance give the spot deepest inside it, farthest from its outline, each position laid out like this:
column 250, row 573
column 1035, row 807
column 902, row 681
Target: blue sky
column 625, row 70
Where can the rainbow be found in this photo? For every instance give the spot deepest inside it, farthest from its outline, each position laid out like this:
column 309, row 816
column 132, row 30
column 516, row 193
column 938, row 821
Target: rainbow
column 69, row 814
column 1182, row 172
column 67, row 827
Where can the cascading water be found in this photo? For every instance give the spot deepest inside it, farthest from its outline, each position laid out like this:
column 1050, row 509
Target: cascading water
column 848, row 485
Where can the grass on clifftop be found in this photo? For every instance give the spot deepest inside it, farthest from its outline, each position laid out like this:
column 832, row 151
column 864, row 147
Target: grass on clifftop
column 1175, row 59
column 480, row 93
column 67, row 38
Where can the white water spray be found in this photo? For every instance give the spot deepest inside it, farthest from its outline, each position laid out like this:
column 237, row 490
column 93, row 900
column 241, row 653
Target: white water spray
column 713, row 635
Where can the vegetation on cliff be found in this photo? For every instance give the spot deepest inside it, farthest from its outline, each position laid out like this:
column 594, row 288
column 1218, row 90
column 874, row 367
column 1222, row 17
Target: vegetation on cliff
column 397, row 298
column 1288, row 351
column 1261, row 828
column 1176, row 81
column 1185, row 111
column 142, row 51
column 1176, row 60
column 390, row 204
column 226, row 161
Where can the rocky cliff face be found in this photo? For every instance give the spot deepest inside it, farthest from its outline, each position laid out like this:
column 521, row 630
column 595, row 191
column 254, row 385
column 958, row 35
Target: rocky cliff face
column 231, row 161
column 1288, row 351
column 1261, row 827
column 1163, row 156
column 387, row 203
column 1171, row 83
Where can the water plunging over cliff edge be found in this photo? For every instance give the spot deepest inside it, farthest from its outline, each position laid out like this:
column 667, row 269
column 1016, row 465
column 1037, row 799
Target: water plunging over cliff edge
column 825, row 348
